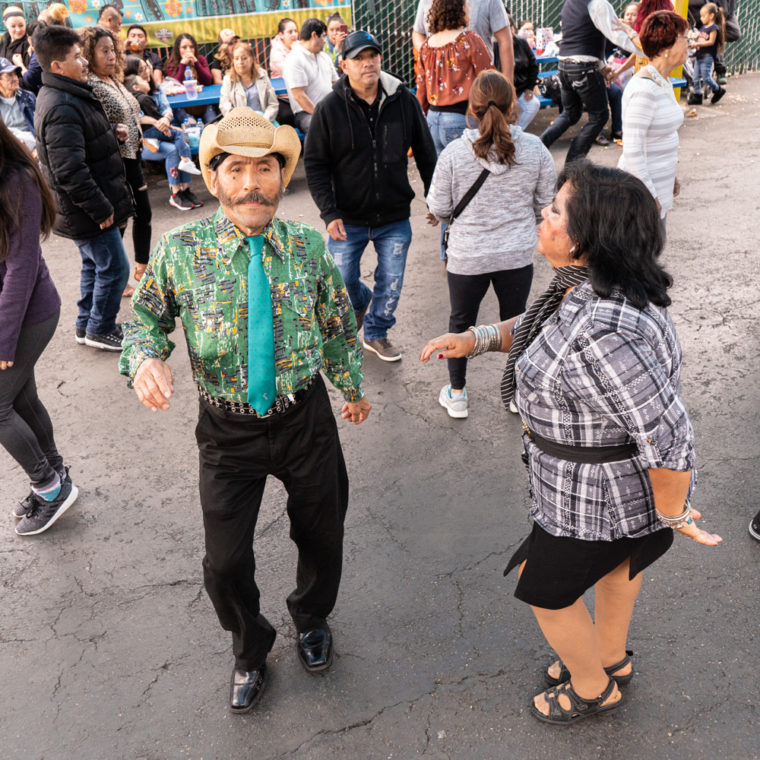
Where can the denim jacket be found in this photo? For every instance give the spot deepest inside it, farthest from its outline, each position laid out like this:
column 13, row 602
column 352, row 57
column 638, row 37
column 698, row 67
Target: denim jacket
column 27, row 101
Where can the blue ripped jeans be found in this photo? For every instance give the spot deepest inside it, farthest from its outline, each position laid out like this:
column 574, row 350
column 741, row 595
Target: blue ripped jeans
column 391, row 243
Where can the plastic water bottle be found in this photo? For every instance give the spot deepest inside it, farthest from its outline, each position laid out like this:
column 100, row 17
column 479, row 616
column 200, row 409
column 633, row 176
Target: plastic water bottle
column 191, row 87
column 194, row 137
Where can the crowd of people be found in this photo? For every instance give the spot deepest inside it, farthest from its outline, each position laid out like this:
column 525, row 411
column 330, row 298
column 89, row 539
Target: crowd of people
column 269, row 305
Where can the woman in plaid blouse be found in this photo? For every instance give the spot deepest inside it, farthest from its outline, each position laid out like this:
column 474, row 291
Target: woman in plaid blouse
column 595, row 372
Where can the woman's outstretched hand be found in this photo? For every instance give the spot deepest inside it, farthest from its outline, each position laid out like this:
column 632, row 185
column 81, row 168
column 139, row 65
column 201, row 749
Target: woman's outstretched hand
column 449, row 346
column 697, row 534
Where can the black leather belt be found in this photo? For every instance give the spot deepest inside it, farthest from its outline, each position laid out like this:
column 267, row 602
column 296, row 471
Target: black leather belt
column 582, row 454
column 281, row 403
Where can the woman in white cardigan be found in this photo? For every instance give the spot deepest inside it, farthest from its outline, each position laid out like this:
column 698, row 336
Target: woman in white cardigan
column 247, row 84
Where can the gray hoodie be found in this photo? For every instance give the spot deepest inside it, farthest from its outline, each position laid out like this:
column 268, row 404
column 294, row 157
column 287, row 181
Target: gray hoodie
column 497, row 229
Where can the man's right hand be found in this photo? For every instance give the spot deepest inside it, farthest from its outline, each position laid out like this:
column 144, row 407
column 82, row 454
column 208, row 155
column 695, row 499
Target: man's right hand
column 153, row 384
column 107, row 223
column 336, row 230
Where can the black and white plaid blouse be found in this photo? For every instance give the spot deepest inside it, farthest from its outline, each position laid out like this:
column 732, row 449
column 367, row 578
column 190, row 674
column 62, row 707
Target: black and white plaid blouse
column 602, row 373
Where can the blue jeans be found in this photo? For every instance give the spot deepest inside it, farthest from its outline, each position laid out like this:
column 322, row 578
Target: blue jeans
column 615, row 99
column 528, row 110
column 391, row 243
column 170, row 149
column 105, row 271
column 445, row 127
column 703, row 73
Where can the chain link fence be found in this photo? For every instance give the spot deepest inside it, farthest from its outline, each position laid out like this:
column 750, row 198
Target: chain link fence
column 391, row 21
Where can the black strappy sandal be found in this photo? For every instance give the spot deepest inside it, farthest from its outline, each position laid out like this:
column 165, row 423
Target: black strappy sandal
column 564, row 673
column 579, row 708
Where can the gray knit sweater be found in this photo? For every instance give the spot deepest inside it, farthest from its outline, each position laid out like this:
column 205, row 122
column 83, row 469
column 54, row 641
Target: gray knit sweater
column 497, row 229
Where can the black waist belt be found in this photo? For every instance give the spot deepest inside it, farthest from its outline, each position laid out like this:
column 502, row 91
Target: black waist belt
column 583, row 454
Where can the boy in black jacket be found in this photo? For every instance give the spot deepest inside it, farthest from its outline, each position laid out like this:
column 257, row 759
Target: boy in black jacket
column 79, row 153
column 356, row 167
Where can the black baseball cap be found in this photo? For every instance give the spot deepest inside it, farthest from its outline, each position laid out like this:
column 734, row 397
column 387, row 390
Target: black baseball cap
column 358, row 41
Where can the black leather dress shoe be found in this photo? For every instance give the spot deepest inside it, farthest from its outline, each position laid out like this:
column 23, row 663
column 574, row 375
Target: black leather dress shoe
column 246, row 688
column 315, row 649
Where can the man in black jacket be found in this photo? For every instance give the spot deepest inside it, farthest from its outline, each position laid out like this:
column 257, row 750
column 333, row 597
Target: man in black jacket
column 79, row 153
column 356, row 167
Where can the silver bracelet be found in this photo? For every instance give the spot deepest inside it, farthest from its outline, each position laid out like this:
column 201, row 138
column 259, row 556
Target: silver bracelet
column 681, row 521
column 487, row 338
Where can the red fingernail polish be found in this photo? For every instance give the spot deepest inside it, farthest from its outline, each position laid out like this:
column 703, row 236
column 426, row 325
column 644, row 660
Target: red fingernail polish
column 440, row 356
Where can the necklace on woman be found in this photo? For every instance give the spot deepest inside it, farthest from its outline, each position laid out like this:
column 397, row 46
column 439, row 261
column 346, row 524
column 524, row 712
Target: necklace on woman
column 655, row 75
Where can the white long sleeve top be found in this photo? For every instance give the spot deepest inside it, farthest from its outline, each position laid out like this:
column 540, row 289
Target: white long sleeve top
column 651, row 119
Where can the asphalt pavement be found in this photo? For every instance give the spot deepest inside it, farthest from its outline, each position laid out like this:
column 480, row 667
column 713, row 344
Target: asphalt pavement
column 109, row 646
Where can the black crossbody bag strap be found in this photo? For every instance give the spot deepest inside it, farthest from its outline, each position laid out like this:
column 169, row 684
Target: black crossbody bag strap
column 461, row 206
column 470, row 194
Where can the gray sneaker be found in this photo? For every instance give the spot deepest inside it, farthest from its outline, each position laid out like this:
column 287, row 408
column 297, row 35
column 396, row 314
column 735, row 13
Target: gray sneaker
column 44, row 513
column 25, row 505
column 455, row 405
column 383, row 348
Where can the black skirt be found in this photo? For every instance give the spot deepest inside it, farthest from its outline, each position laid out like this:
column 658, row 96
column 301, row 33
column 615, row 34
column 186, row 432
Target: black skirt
column 559, row 570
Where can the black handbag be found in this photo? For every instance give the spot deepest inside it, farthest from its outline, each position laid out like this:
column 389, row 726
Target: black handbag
column 461, row 206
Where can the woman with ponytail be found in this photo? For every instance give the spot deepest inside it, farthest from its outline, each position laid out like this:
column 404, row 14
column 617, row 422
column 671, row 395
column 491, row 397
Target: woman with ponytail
column 493, row 238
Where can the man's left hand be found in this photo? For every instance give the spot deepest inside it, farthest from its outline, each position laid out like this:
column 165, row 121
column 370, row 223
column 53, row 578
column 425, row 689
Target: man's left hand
column 356, row 412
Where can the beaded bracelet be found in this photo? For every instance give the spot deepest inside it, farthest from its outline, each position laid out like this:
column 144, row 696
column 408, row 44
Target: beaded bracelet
column 681, row 521
column 487, row 338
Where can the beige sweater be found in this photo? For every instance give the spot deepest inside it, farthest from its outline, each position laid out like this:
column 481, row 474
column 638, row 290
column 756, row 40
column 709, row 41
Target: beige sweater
column 233, row 95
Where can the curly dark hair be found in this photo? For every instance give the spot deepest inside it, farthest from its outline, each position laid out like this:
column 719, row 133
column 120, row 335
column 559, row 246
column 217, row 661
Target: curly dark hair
column 446, row 14
column 91, row 35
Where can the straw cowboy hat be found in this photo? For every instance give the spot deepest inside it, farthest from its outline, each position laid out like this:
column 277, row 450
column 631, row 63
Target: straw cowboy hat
column 243, row 132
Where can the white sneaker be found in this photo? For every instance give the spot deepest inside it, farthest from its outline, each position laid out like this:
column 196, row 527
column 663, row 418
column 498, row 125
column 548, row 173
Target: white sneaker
column 186, row 165
column 455, row 405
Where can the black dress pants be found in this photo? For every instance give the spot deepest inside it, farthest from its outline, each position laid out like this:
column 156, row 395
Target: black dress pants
column 301, row 448
column 466, row 291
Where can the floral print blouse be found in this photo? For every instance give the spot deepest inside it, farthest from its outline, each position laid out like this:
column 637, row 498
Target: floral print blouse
column 445, row 74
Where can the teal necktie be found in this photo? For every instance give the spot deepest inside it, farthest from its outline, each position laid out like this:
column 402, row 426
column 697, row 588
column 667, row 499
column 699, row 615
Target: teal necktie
column 261, row 377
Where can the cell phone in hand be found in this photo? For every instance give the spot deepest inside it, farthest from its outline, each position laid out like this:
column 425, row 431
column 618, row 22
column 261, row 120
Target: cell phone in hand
column 343, row 28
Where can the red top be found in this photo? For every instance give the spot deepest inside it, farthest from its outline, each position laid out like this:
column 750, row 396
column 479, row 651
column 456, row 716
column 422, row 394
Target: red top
column 445, row 74
column 202, row 71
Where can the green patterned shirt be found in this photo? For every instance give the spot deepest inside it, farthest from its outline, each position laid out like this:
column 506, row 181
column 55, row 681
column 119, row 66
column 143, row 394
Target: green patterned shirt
column 199, row 273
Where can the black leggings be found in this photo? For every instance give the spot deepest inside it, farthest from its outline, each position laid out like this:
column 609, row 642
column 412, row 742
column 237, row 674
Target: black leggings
column 466, row 291
column 26, row 431
column 141, row 228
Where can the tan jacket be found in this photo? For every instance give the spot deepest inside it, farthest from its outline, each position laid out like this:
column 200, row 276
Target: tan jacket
column 233, row 95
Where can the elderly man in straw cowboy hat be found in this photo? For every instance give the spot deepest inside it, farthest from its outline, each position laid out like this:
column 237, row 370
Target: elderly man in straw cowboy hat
column 264, row 309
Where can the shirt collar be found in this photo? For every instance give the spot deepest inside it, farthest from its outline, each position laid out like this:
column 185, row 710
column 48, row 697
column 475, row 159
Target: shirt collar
column 231, row 238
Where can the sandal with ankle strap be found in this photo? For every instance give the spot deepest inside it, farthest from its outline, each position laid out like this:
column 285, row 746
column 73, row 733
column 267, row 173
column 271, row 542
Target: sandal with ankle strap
column 564, row 673
column 579, row 707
